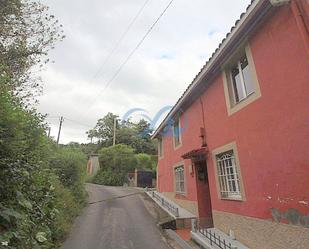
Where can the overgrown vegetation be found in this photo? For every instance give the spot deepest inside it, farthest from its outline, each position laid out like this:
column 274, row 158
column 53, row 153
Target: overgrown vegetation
column 117, row 161
column 41, row 188
column 134, row 149
column 135, row 135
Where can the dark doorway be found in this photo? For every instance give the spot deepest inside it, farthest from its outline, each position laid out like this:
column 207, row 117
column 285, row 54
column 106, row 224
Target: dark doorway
column 203, row 193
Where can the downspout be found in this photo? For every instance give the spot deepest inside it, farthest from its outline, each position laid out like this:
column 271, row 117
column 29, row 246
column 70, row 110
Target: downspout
column 203, row 116
column 301, row 20
column 300, row 15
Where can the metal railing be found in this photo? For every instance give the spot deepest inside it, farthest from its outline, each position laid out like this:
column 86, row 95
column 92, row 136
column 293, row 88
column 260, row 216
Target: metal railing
column 215, row 239
column 174, row 210
column 211, row 236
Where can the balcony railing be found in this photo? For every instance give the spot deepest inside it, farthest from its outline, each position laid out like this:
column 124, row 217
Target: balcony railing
column 174, row 210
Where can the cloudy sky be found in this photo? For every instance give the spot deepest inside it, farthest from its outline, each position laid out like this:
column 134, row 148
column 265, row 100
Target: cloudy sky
column 78, row 85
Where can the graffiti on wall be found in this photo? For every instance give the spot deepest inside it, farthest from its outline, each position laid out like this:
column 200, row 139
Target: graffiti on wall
column 291, row 216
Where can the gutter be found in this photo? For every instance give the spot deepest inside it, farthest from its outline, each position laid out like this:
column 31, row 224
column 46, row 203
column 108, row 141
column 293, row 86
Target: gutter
column 248, row 21
column 277, row 3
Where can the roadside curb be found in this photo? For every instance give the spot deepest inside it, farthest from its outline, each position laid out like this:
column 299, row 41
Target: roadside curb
column 173, row 235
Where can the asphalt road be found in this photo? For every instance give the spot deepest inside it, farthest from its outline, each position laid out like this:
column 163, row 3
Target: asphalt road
column 117, row 223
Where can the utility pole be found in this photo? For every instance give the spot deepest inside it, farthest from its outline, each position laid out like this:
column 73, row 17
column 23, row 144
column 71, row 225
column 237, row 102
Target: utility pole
column 114, row 139
column 49, row 129
column 60, row 125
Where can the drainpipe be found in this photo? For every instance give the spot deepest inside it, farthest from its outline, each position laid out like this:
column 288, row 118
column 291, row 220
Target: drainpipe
column 203, row 116
column 300, row 15
column 301, row 20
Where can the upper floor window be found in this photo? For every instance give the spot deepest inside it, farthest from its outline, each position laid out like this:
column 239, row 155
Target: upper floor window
column 241, row 84
column 242, row 79
column 177, row 133
column 160, row 147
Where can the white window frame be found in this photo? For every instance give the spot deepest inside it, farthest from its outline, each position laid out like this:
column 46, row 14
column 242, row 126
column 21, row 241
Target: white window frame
column 229, row 91
column 225, row 193
column 228, row 177
column 242, row 80
column 178, row 143
column 179, row 174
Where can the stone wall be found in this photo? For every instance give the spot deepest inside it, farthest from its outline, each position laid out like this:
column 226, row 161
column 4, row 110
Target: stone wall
column 262, row 234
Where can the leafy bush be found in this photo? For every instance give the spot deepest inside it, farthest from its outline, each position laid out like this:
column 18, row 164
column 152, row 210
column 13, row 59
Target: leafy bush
column 66, row 209
column 154, row 163
column 118, row 158
column 36, row 210
column 69, row 165
column 115, row 162
column 38, row 198
column 144, row 161
column 109, row 178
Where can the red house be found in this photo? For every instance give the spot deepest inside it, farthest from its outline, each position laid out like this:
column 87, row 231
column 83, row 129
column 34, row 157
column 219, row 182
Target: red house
column 233, row 150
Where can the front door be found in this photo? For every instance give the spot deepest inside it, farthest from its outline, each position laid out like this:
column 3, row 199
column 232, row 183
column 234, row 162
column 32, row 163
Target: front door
column 203, row 194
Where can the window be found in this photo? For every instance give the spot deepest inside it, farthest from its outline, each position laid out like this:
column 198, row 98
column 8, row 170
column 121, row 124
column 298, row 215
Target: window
column 160, row 147
column 228, row 172
column 228, row 177
column 180, row 179
column 241, row 86
column 242, row 79
column 177, row 133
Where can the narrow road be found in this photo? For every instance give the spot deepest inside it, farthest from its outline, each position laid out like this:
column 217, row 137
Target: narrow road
column 117, row 223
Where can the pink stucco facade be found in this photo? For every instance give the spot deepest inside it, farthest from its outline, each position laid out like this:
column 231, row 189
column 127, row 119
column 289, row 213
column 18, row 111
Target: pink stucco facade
column 271, row 133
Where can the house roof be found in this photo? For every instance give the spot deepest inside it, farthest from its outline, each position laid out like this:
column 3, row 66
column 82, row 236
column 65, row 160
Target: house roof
column 249, row 20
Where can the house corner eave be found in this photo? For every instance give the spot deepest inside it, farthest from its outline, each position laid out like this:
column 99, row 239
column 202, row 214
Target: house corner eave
column 277, row 3
column 248, row 21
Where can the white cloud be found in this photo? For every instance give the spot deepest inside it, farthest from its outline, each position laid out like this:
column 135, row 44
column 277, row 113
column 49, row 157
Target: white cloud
column 156, row 75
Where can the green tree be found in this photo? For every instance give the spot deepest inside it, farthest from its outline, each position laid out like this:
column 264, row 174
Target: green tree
column 144, row 161
column 125, row 134
column 115, row 162
column 104, row 130
column 92, row 134
column 137, row 135
column 27, row 33
column 37, row 205
column 142, row 142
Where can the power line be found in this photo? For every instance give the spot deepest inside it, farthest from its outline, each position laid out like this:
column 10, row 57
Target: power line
column 52, row 117
column 60, row 128
column 77, row 122
column 121, row 39
column 133, row 51
column 71, row 120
